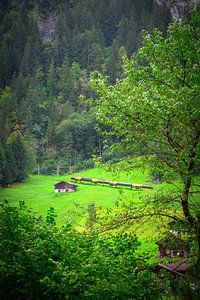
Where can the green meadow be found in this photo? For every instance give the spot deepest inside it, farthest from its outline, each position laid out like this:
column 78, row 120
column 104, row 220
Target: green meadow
column 38, row 192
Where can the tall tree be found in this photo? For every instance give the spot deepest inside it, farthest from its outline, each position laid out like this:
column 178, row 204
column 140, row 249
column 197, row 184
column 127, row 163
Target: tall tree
column 2, row 162
column 157, row 104
column 33, row 114
column 17, row 161
column 8, row 108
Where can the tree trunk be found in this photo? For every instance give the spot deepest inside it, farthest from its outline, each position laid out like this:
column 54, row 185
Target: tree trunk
column 187, row 180
column 198, row 243
column 185, row 199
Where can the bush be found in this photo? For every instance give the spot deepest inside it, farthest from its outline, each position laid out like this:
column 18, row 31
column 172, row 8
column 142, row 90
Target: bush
column 49, row 167
column 38, row 260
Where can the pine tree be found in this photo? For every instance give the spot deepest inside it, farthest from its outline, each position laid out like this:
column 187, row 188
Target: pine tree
column 17, row 162
column 2, row 162
column 64, row 81
column 52, row 89
column 111, row 62
column 95, row 58
column 8, row 109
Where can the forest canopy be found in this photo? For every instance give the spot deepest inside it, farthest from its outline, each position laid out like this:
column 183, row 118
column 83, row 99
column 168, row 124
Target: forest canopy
column 155, row 108
column 47, row 51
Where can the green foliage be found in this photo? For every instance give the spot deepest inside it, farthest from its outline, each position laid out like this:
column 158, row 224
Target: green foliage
column 48, row 167
column 7, row 113
column 2, row 161
column 151, row 107
column 77, row 138
column 155, row 107
column 39, row 260
column 17, row 162
column 47, row 50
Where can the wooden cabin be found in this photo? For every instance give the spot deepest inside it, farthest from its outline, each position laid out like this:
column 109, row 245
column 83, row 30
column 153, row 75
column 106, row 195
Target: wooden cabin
column 173, row 243
column 65, row 187
column 172, row 247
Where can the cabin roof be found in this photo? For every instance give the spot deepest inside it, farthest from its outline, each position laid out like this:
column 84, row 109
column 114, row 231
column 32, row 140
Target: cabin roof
column 64, row 184
column 176, row 267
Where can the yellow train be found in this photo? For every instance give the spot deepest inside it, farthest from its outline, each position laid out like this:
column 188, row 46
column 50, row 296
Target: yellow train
column 112, row 183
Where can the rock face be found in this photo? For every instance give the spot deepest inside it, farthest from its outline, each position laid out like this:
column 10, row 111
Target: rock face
column 178, row 8
column 47, row 25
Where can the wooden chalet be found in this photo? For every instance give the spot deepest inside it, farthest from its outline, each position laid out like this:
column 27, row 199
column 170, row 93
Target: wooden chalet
column 173, row 244
column 175, row 247
column 65, row 187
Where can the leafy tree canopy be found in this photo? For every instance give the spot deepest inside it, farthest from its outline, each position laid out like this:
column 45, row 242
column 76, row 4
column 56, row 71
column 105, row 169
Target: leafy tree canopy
column 39, row 260
column 156, row 105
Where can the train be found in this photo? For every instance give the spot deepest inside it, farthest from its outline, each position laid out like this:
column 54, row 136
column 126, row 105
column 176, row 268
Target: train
column 112, row 183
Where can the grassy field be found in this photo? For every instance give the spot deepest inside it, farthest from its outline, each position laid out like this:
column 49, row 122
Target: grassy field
column 38, row 192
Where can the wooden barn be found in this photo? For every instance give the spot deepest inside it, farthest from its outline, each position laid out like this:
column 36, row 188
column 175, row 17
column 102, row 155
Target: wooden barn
column 65, row 187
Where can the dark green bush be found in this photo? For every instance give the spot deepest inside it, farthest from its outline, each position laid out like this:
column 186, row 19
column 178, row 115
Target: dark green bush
column 38, row 260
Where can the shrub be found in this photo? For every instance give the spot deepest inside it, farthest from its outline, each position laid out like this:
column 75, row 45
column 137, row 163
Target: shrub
column 38, row 260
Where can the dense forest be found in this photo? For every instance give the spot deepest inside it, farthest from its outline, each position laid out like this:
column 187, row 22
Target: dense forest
column 47, row 51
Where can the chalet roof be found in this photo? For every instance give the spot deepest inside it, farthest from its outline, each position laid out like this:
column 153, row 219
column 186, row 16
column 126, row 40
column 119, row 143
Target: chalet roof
column 64, row 184
column 177, row 267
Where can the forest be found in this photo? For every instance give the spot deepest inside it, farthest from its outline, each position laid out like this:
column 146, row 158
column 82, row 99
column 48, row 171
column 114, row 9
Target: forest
column 48, row 49
column 91, row 83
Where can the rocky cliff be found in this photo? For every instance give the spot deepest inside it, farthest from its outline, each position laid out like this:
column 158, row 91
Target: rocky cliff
column 47, row 25
column 178, row 8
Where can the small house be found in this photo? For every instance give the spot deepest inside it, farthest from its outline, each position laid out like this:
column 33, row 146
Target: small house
column 181, row 250
column 65, row 187
column 173, row 246
column 173, row 243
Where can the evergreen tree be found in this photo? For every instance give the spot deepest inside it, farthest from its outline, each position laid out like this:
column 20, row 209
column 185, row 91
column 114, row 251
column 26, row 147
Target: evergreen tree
column 48, row 76
column 17, row 157
column 33, row 114
column 95, row 58
column 52, row 83
column 122, row 54
column 123, row 29
column 65, row 80
column 111, row 62
column 63, row 40
column 8, row 108
column 10, row 170
column 2, row 162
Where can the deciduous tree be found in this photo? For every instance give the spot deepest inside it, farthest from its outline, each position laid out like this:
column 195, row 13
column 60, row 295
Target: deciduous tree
column 157, row 106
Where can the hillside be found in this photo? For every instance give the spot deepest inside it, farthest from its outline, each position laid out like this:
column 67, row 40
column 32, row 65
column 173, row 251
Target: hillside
column 47, row 51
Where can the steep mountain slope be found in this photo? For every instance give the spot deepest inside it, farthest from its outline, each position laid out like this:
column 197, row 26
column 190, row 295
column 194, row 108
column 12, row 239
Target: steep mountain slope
column 47, row 51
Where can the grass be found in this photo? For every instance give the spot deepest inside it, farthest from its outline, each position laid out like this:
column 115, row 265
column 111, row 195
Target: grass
column 38, row 192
